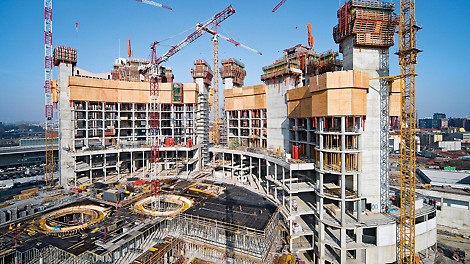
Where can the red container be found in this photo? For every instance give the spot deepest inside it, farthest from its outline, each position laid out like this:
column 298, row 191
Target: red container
column 295, row 152
column 167, row 142
column 189, row 143
column 172, row 142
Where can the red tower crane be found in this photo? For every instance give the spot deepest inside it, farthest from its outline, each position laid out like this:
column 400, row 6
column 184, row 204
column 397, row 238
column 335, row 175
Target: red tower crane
column 155, row 75
column 148, row 2
column 278, row 5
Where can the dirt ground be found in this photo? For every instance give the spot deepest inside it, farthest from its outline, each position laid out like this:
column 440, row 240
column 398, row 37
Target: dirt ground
column 447, row 241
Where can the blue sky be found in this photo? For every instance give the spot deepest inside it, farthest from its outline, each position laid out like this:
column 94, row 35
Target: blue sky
column 442, row 68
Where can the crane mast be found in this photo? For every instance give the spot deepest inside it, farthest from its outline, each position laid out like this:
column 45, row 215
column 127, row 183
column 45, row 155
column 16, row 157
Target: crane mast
column 215, row 42
column 48, row 106
column 407, row 55
column 155, row 78
column 155, row 75
column 215, row 125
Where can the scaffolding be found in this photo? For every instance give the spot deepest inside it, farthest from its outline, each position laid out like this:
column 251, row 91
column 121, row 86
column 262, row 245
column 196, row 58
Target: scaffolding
column 370, row 22
column 301, row 61
column 203, row 71
column 232, row 68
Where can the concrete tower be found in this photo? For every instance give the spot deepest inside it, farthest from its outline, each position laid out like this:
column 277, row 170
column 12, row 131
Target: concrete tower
column 284, row 74
column 365, row 33
column 66, row 59
column 202, row 76
column 233, row 73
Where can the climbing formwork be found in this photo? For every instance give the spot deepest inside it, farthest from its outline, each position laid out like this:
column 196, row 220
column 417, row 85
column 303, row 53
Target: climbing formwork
column 371, row 22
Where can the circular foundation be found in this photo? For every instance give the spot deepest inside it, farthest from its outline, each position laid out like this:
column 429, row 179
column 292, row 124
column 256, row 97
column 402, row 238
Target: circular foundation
column 71, row 220
column 162, row 206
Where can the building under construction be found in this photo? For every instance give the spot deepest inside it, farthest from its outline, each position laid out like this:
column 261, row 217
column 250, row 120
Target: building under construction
column 299, row 171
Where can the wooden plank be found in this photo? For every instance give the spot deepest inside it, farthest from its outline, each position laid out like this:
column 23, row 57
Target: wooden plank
column 298, row 93
column 190, row 97
column 319, row 103
column 248, row 102
column 306, row 107
column 395, row 101
column 293, row 109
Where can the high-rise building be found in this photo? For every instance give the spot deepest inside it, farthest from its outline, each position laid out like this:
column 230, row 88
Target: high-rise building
column 321, row 161
column 104, row 127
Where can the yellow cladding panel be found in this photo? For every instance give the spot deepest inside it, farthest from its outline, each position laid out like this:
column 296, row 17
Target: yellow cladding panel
column 89, row 89
column 320, row 103
column 298, row 93
column 293, row 108
column 250, row 97
column 339, row 79
column 229, row 104
column 330, row 94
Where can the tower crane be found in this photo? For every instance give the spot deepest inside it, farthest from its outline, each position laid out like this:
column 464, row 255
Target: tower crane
column 215, row 41
column 49, row 105
column 278, row 5
column 148, row 2
column 407, row 59
column 310, row 38
column 155, row 75
column 238, row 44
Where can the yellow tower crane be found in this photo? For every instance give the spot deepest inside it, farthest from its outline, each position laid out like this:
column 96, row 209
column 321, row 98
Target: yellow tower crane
column 407, row 55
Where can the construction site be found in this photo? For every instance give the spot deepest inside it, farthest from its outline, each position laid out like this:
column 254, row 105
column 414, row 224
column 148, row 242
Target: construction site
column 294, row 169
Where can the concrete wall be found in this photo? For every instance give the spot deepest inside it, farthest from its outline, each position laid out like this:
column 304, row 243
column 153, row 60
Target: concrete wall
column 385, row 254
column 386, row 235
column 450, row 145
column 426, row 234
column 454, row 217
column 453, row 213
column 278, row 122
column 385, row 251
column 368, row 60
column 67, row 162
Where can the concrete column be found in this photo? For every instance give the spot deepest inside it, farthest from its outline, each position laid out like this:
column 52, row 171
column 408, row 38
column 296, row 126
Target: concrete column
column 233, row 168
column 132, row 165
column 90, row 161
column 343, row 170
column 103, row 125
column 359, row 241
column 343, row 245
column 259, row 171
column 267, row 174
column 296, row 131
column 283, row 182
column 309, row 139
column 118, row 165
column 241, row 169
column 104, row 166
column 239, row 127
column 290, row 233
column 250, row 127
column 250, row 170
column 321, row 244
column 66, row 125
column 276, row 178
column 290, row 179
